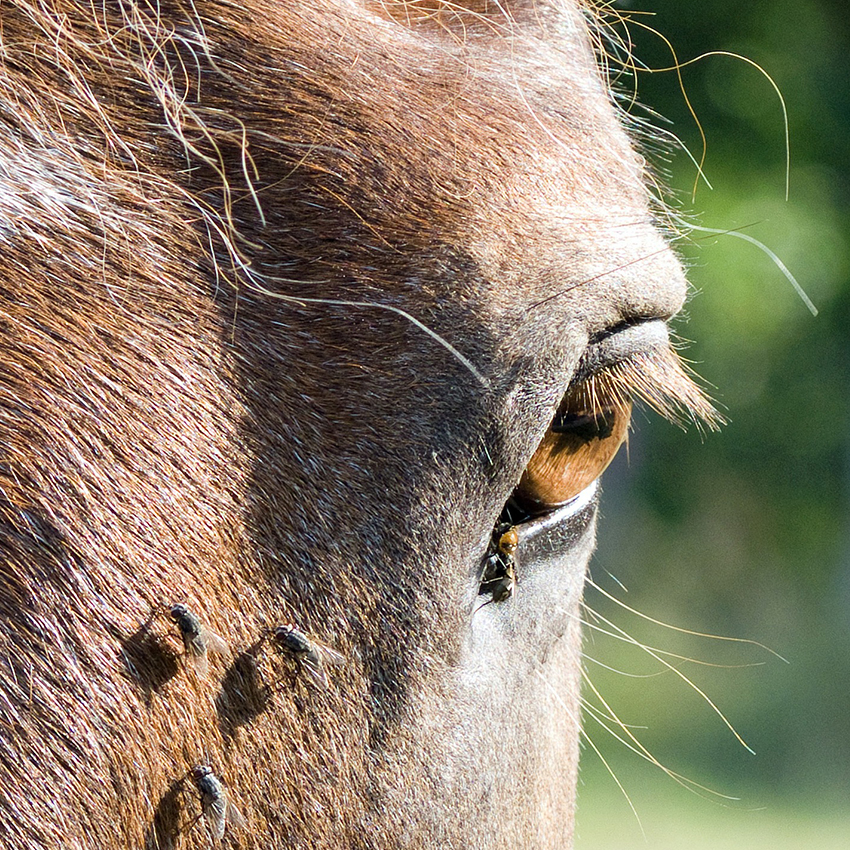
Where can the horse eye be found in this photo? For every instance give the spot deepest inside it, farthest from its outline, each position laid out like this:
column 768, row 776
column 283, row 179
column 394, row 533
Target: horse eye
column 579, row 444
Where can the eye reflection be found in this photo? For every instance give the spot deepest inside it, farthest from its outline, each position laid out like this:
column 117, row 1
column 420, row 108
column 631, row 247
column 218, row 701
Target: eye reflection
column 581, row 441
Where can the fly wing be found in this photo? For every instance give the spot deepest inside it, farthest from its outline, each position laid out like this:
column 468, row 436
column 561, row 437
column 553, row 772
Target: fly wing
column 215, row 643
column 199, row 662
column 312, row 663
column 234, row 817
column 330, row 656
column 215, row 815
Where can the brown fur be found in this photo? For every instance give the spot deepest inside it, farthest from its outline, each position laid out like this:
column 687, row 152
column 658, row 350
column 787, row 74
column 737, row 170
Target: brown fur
column 170, row 431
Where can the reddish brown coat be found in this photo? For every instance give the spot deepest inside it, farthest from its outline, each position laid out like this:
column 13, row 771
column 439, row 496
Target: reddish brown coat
column 173, row 432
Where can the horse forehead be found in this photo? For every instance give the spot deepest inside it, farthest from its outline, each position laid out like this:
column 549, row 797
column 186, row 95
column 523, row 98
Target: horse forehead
column 495, row 156
column 513, row 129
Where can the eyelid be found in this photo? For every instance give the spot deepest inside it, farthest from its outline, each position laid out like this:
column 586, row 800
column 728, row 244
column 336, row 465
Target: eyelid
column 618, row 344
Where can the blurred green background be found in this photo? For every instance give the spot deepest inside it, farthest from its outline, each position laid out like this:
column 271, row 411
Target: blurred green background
column 745, row 533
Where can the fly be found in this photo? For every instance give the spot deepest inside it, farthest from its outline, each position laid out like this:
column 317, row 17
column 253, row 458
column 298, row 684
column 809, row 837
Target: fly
column 499, row 576
column 310, row 654
column 198, row 640
column 217, row 809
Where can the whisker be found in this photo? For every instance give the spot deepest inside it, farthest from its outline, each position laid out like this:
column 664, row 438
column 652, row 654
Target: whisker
column 771, row 254
column 656, row 654
column 590, row 706
column 683, row 658
column 623, row 672
column 600, row 715
column 340, row 302
column 679, row 629
column 638, row 748
column 642, row 259
column 593, row 746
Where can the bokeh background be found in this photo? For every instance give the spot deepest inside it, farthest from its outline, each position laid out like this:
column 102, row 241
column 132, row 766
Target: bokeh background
column 745, row 533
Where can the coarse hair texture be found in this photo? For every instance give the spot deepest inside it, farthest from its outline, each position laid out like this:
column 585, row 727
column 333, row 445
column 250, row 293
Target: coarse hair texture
column 225, row 229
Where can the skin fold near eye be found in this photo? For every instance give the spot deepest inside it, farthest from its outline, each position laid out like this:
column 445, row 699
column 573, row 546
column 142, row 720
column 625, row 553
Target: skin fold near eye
column 580, row 443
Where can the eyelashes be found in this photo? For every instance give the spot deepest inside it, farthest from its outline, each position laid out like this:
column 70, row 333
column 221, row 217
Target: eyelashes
column 659, row 378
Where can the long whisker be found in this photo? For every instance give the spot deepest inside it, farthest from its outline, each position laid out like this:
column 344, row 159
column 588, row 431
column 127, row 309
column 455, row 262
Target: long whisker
column 657, row 655
column 591, row 707
column 679, row 629
column 771, row 254
column 339, row 302
column 642, row 259
column 637, row 747
column 593, row 746
column 623, row 672
column 685, row 659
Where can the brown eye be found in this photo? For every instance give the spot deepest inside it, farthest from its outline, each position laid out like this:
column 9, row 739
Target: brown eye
column 581, row 441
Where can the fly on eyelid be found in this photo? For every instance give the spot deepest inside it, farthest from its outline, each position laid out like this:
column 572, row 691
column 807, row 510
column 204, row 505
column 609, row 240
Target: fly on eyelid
column 499, row 576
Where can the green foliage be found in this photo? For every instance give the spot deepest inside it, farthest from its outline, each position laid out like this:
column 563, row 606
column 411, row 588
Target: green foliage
column 747, row 533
